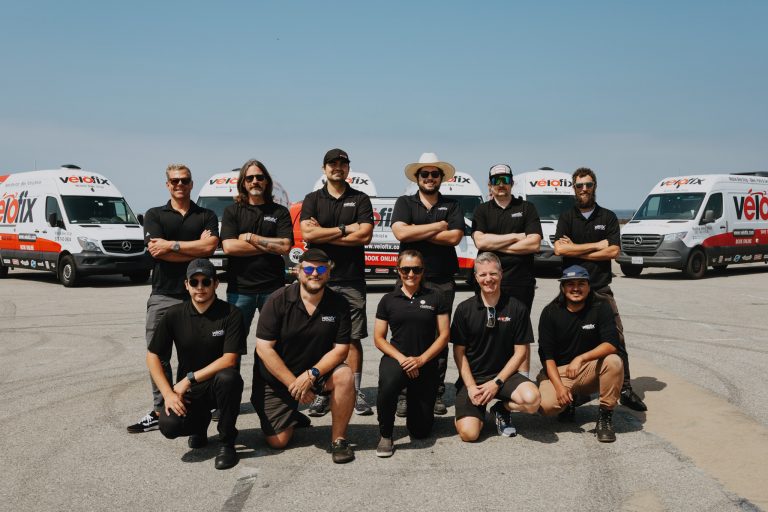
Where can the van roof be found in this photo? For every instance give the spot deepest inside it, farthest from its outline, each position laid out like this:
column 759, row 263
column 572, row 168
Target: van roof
column 67, row 180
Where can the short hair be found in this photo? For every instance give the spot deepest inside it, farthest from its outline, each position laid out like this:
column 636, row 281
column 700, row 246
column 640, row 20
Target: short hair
column 242, row 193
column 409, row 253
column 584, row 171
column 487, row 257
column 176, row 167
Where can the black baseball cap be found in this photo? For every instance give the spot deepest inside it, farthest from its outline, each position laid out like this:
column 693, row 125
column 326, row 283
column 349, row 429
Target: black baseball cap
column 201, row 266
column 315, row 255
column 335, row 154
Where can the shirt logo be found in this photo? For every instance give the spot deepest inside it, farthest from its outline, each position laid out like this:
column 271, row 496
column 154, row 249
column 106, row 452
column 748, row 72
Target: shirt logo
column 517, row 214
column 599, row 227
column 351, row 203
column 270, row 219
column 442, row 209
column 328, row 318
column 427, row 306
column 504, row 318
column 588, row 327
column 220, row 332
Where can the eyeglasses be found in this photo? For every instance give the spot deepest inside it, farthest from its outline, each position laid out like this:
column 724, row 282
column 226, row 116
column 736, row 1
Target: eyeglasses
column 490, row 321
column 205, row 282
column 501, row 180
column 587, row 184
column 407, row 270
column 258, row 177
column 309, row 269
column 429, row 174
column 179, row 181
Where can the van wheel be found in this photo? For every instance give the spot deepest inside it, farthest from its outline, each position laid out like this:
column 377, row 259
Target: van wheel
column 68, row 272
column 3, row 271
column 139, row 277
column 630, row 270
column 697, row 264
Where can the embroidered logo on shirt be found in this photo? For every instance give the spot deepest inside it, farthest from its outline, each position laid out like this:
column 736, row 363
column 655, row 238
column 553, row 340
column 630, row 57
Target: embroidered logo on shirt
column 442, row 208
column 599, row 227
column 351, row 203
column 504, row 318
column 588, row 327
column 517, row 214
column 270, row 219
column 328, row 318
column 220, row 332
column 427, row 306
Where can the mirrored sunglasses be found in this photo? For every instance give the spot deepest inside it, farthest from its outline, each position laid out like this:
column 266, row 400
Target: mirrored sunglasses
column 309, row 269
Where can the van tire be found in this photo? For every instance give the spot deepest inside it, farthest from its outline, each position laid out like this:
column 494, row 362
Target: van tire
column 697, row 264
column 139, row 277
column 68, row 271
column 630, row 270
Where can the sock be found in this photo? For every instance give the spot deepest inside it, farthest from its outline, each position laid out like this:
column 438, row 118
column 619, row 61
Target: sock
column 358, row 378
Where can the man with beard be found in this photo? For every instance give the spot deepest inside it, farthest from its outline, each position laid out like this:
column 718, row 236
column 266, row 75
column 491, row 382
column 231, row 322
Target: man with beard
column 578, row 344
column 339, row 220
column 432, row 224
column 302, row 340
column 588, row 235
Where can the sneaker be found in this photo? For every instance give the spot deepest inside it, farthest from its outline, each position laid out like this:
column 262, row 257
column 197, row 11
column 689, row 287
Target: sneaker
column 504, row 424
column 361, row 406
column 568, row 414
column 440, row 409
column 319, row 406
column 341, row 452
column 145, row 424
column 402, row 407
column 604, row 428
column 385, row 448
column 630, row 399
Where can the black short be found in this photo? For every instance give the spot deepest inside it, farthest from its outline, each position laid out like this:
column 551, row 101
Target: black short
column 465, row 407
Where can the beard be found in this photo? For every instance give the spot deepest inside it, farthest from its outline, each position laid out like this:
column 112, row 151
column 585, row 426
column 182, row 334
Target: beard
column 312, row 287
column 428, row 192
column 585, row 202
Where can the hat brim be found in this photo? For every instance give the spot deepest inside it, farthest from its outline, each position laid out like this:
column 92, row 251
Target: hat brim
column 573, row 279
column 448, row 169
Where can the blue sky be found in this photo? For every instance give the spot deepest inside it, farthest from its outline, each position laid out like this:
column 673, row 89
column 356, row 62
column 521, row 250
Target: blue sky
column 636, row 90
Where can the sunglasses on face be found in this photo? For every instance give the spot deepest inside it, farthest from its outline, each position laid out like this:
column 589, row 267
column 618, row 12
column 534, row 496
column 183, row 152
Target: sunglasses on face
column 587, row 184
column 491, row 318
column 430, row 174
column 501, row 180
column 258, row 177
column 407, row 270
column 309, row 269
column 206, row 282
column 179, row 181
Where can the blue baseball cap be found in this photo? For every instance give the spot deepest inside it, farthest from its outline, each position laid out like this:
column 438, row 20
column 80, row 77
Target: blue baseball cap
column 574, row 272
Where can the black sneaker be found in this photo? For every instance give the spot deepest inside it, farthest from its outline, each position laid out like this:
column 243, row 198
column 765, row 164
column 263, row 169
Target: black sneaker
column 568, row 415
column 385, row 448
column 319, row 406
column 630, row 399
column 341, row 452
column 145, row 424
column 440, row 409
column 402, row 407
column 197, row 441
column 604, row 428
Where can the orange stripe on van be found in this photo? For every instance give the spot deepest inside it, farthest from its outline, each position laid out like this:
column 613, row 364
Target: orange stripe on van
column 12, row 243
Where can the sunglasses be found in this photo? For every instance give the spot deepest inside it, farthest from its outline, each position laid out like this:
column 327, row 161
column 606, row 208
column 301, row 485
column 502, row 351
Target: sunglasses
column 490, row 321
column 501, row 180
column 179, row 181
column 204, row 281
column 429, row 174
column 407, row 270
column 587, row 184
column 309, row 269
column 258, row 177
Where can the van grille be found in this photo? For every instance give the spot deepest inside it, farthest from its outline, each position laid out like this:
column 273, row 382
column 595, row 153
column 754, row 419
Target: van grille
column 123, row 246
column 640, row 244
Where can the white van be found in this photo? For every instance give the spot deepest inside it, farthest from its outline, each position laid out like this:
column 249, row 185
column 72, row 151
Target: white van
column 70, row 222
column 551, row 192
column 695, row 221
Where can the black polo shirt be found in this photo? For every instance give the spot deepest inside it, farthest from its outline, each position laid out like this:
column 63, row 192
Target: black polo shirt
column 519, row 216
column 166, row 223
column 412, row 320
column 564, row 335
column 302, row 339
column 353, row 206
column 260, row 273
column 602, row 224
column 200, row 338
column 440, row 261
column 489, row 349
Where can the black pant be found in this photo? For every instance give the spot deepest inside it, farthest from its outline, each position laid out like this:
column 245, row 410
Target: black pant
column 524, row 294
column 447, row 289
column 606, row 294
column 420, row 392
column 222, row 392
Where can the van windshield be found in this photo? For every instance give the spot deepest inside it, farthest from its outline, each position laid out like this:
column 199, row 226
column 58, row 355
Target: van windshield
column 468, row 204
column 215, row 203
column 551, row 206
column 682, row 206
column 98, row 210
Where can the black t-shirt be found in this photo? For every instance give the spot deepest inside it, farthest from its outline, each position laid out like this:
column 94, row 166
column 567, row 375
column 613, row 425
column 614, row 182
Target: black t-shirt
column 518, row 217
column 440, row 261
column 564, row 335
column 353, row 206
column 302, row 340
column 260, row 273
column 200, row 338
column 166, row 223
column 412, row 320
column 601, row 225
column 489, row 349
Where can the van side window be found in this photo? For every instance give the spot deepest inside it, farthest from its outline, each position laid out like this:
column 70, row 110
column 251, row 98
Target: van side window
column 52, row 206
column 715, row 203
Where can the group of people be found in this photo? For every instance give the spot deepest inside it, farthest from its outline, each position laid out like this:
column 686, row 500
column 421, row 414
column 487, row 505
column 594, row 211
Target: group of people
column 308, row 336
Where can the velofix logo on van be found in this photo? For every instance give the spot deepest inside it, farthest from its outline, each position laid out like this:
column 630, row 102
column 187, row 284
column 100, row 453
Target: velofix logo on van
column 88, row 180
column 562, row 182
column 223, row 181
column 752, row 206
column 16, row 208
column 682, row 181
column 458, row 179
column 382, row 217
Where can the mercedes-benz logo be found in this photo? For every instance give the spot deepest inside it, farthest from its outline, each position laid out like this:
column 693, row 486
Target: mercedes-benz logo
column 126, row 245
column 638, row 240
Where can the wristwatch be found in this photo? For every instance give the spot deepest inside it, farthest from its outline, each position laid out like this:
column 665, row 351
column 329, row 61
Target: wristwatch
column 315, row 373
column 191, row 378
column 343, row 229
column 176, row 247
column 499, row 382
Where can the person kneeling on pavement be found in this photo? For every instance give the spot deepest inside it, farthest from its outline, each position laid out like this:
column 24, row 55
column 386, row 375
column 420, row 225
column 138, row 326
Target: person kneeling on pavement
column 209, row 338
column 578, row 346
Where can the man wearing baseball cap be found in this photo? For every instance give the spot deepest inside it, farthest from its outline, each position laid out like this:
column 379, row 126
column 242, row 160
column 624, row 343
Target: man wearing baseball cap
column 578, row 346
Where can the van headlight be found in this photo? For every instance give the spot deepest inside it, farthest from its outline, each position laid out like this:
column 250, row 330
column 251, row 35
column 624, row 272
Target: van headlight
column 89, row 244
column 671, row 237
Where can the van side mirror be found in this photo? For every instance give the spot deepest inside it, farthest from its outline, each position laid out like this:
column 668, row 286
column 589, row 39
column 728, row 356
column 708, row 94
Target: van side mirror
column 55, row 221
column 709, row 217
column 140, row 218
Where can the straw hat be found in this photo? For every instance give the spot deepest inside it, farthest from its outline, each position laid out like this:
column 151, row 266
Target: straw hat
column 429, row 160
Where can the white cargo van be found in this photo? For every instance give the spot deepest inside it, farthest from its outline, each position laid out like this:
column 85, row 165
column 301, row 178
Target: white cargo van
column 695, row 221
column 551, row 192
column 70, row 222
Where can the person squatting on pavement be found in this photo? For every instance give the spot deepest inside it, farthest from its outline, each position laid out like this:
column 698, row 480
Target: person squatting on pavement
column 432, row 224
column 588, row 235
column 209, row 339
column 339, row 220
column 419, row 320
column 302, row 340
column 491, row 334
column 175, row 234
column 509, row 227
column 578, row 346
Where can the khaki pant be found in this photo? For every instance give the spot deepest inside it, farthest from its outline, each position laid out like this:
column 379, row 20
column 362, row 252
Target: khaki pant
column 604, row 375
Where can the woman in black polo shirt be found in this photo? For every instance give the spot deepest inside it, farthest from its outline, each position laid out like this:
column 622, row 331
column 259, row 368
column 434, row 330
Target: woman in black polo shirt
column 418, row 319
